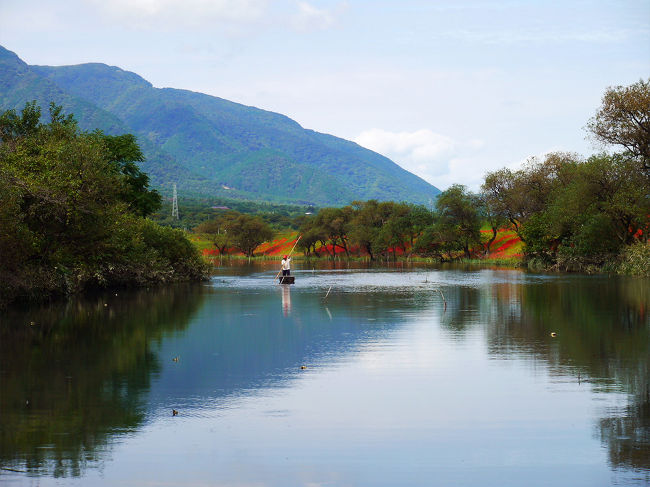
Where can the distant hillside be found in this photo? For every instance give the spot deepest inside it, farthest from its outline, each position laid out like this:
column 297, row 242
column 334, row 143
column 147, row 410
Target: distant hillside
column 210, row 146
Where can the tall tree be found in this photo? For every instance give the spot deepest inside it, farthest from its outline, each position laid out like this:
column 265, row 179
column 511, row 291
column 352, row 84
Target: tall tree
column 624, row 119
column 124, row 153
column 458, row 210
column 365, row 224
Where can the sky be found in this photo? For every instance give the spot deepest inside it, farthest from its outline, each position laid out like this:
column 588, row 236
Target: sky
column 448, row 89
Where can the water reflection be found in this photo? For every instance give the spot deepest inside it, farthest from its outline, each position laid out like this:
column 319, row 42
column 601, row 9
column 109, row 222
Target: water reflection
column 591, row 330
column 286, row 299
column 238, row 343
column 86, row 376
column 75, row 375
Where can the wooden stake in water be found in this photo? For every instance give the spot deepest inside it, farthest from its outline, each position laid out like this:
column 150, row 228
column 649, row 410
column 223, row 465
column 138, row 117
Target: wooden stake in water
column 443, row 298
column 328, row 293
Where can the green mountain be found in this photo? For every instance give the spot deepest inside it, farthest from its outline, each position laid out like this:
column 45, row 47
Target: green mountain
column 210, row 146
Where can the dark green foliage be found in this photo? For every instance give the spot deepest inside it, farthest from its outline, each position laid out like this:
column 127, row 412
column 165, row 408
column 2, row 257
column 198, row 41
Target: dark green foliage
column 575, row 210
column 221, row 230
column 67, row 213
column 249, row 232
column 459, row 218
column 439, row 241
column 234, row 229
column 123, row 153
column 194, row 211
column 206, row 144
column 365, row 227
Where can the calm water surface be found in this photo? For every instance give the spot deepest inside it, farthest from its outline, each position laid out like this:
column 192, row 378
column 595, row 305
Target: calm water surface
column 397, row 388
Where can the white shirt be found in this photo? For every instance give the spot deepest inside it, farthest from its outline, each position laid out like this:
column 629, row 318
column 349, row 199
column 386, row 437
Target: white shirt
column 286, row 264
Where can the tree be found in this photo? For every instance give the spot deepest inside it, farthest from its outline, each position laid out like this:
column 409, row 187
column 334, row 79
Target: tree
column 492, row 215
column 521, row 194
column 438, row 240
column 14, row 127
column 419, row 217
column 600, row 208
column 395, row 228
column 365, row 224
column 64, row 222
column 502, row 191
column 333, row 224
column 220, row 230
column 311, row 235
column 458, row 211
column 624, row 119
column 249, row 232
column 124, row 152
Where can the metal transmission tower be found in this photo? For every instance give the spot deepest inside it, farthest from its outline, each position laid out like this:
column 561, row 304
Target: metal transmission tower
column 175, row 204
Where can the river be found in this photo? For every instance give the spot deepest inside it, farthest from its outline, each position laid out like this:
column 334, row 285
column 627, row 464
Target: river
column 400, row 376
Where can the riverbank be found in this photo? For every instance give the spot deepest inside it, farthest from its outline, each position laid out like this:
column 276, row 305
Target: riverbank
column 507, row 250
column 148, row 255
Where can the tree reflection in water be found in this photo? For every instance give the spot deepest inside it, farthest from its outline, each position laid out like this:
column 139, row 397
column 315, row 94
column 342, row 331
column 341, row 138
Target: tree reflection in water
column 83, row 375
column 75, row 374
column 602, row 338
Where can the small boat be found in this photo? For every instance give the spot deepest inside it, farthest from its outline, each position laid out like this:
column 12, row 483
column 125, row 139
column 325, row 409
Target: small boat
column 287, row 279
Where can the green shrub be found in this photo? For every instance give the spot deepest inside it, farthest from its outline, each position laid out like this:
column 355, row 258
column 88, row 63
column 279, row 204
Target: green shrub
column 635, row 260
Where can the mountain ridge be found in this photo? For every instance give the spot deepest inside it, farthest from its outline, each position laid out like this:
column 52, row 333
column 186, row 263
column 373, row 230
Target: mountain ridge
column 206, row 143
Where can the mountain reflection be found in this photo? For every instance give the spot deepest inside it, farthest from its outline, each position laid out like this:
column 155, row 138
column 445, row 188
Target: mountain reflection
column 76, row 373
column 602, row 337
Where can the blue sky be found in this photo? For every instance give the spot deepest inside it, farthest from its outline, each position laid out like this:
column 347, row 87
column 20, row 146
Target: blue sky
column 447, row 89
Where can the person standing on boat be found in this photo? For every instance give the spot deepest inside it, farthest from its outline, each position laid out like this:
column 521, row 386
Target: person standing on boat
column 286, row 266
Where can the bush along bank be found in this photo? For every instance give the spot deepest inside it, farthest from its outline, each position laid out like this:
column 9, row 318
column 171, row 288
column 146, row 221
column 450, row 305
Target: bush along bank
column 73, row 212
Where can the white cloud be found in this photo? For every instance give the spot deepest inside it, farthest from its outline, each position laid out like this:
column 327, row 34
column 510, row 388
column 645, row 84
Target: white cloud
column 438, row 159
column 423, row 152
column 418, row 147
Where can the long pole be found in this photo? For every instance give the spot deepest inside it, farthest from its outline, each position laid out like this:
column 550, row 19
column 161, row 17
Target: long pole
column 294, row 246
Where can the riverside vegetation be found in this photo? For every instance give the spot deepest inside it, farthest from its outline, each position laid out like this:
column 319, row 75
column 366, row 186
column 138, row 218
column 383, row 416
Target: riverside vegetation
column 571, row 213
column 73, row 209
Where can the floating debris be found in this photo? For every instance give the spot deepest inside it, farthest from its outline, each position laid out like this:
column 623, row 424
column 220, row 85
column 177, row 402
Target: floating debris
column 303, row 367
column 175, row 359
column 174, row 412
column 553, row 334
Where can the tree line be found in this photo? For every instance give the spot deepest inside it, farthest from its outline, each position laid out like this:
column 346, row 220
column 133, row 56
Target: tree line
column 72, row 211
column 238, row 230
column 573, row 211
column 570, row 211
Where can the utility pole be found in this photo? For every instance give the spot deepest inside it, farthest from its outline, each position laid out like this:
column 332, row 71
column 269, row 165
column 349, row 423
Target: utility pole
column 175, row 204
